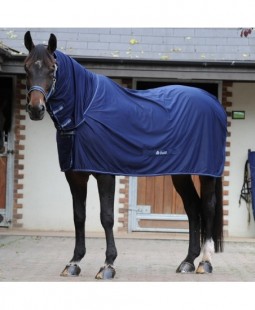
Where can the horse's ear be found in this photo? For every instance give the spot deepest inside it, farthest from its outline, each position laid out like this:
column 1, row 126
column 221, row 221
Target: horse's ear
column 52, row 44
column 28, row 41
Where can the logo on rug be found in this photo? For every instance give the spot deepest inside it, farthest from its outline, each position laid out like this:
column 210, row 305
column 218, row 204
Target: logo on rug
column 160, row 152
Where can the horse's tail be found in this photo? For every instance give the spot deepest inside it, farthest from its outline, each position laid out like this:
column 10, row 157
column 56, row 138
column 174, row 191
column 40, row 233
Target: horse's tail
column 218, row 219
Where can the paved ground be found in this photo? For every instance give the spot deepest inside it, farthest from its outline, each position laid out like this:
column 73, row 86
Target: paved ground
column 41, row 257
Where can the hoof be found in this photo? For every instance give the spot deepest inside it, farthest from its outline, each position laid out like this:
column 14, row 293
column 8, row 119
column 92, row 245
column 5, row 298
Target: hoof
column 105, row 273
column 185, row 267
column 71, row 270
column 204, row 267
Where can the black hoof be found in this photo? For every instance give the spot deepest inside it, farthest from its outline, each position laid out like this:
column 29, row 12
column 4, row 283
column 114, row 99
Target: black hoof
column 105, row 273
column 71, row 270
column 204, row 267
column 185, row 267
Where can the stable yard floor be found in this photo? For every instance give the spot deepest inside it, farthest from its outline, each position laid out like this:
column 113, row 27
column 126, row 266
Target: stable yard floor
column 41, row 258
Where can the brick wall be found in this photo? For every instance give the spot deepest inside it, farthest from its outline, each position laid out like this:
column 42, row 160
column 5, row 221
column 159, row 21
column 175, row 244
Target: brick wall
column 123, row 204
column 19, row 151
column 227, row 103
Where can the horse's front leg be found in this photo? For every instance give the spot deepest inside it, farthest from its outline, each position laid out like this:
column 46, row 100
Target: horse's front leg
column 191, row 201
column 78, row 186
column 106, row 189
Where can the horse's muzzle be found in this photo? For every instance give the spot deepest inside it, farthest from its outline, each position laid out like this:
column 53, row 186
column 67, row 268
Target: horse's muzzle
column 36, row 112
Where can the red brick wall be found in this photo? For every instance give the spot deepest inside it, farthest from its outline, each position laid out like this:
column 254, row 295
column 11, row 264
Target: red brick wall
column 19, row 131
column 227, row 103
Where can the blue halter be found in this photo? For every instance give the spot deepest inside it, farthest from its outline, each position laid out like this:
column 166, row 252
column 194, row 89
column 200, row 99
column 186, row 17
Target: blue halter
column 40, row 89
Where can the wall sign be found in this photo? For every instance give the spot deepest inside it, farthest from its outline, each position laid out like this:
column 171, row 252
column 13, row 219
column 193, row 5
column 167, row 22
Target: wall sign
column 238, row 114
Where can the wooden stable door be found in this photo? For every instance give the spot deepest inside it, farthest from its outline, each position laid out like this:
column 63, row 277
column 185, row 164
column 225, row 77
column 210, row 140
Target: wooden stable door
column 6, row 150
column 3, row 174
column 159, row 193
column 3, row 170
column 162, row 203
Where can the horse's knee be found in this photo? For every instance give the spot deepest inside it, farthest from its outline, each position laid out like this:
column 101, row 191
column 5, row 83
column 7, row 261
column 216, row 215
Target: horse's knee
column 107, row 220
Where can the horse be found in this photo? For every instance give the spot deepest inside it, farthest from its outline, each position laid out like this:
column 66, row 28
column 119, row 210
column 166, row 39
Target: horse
column 87, row 121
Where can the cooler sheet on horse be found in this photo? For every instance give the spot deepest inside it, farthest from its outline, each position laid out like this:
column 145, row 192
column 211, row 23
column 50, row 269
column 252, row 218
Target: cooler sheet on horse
column 105, row 128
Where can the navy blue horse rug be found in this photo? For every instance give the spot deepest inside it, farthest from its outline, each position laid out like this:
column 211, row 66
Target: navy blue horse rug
column 105, row 128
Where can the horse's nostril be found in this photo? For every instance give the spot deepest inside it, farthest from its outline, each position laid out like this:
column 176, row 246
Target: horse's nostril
column 36, row 111
column 40, row 107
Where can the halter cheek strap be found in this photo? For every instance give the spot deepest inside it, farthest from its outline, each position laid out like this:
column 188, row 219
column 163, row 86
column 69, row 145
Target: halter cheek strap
column 40, row 89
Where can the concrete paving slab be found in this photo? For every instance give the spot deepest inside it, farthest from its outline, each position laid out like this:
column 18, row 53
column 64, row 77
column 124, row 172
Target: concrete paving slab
column 34, row 257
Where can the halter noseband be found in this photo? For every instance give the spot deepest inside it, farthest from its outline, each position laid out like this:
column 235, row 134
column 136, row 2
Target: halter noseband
column 40, row 89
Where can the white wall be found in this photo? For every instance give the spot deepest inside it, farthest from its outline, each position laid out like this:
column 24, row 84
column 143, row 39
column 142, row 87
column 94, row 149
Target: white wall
column 47, row 203
column 242, row 139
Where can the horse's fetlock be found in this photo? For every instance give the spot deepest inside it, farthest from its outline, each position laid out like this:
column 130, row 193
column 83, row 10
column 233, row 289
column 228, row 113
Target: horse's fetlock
column 78, row 255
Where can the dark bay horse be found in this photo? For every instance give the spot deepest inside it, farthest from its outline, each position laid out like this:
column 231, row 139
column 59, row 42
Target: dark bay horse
column 43, row 67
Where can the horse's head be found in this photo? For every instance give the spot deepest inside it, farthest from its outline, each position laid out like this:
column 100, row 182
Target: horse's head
column 40, row 67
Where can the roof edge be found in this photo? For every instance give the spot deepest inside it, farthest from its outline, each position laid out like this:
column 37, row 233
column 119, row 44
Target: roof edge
column 151, row 62
column 189, row 63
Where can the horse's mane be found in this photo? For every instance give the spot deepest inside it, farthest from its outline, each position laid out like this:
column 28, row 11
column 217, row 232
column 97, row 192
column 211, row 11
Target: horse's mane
column 41, row 52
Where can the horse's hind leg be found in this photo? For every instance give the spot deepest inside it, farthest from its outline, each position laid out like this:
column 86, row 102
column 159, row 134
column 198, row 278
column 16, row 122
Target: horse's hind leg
column 78, row 186
column 212, row 221
column 106, row 188
column 186, row 189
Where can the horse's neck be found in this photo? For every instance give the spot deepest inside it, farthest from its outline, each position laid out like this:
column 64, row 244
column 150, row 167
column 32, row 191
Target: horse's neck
column 75, row 86
column 71, row 69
